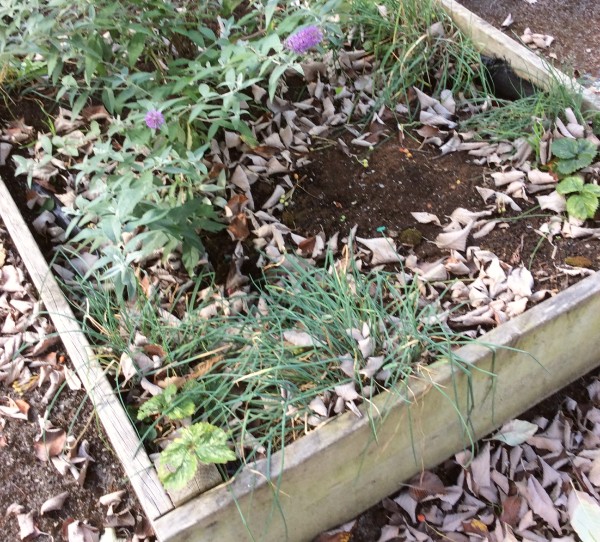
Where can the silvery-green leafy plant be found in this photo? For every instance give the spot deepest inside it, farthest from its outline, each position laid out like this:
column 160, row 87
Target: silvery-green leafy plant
column 171, row 88
column 198, row 443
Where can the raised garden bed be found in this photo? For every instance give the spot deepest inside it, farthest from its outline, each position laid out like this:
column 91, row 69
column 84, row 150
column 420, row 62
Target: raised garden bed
column 349, row 464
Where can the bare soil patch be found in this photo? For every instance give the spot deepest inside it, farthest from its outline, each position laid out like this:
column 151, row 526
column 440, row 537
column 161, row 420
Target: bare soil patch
column 337, row 191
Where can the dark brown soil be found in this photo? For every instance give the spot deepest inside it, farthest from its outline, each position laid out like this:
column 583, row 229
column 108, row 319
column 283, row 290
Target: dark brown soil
column 337, row 192
column 573, row 23
column 29, row 482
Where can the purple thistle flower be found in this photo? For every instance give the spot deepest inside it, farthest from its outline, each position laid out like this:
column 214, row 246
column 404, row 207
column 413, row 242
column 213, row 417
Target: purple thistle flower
column 304, row 39
column 154, row 119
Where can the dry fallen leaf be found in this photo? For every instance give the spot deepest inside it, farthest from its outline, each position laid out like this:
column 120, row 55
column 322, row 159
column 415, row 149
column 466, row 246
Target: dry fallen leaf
column 456, row 240
column 50, row 444
column 511, row 510
column 27, row 528
column 383, row 250
column 77, row 531
column 425, row 484
column 54, row 503
column 301, row 339
column 584, row 513
column 541, row 504
column 515, row 432
column 347, row 391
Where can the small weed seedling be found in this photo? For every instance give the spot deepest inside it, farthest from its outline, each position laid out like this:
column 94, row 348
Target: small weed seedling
column 582, row 197
column 573, row 155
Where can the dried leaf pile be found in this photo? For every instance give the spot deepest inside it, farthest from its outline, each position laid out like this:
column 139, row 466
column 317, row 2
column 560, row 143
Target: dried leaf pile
column 531, row 481
column 39, row 386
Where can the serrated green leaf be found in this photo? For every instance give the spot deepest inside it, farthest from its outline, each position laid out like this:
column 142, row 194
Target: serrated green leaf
column 202, row 442
column 136, row 48
column 573, row 154
column 158, row 403
column 591, row 189
column 177, row 466
column 182, row 407
column 276, row 74
column 208, row 442
column 169, row 404
column 570, row 184
column 564, row 148
column 582, row 205
column 190, row 256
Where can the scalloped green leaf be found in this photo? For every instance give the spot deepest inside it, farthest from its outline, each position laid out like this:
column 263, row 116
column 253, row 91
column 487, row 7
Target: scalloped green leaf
column 570, row 184
column 176, row 466
column 582, row 205
column 565, row 148
column 169, row 403
column 209, row 443
column 201, row 442
column 591, row 189
column 573, row 154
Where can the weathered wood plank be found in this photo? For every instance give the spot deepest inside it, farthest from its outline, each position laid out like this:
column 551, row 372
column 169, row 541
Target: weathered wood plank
column 123, row 437
column 522, row 59
column 338, row 470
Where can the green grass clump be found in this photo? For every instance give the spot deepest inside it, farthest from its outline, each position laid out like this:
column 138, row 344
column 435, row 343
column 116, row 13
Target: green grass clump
column 242, row 369
column 526, row 117
column 415, row 43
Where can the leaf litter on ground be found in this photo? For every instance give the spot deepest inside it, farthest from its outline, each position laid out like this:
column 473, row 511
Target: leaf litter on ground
column 512, row 488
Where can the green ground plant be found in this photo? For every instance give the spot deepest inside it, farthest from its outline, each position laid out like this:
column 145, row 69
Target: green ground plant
column 255, row 374
column 570, row 156
column 415, row 43
column 172, row 88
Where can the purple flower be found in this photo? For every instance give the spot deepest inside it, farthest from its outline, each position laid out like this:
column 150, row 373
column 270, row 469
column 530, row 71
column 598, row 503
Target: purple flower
column 154, row 119
column 304, row 39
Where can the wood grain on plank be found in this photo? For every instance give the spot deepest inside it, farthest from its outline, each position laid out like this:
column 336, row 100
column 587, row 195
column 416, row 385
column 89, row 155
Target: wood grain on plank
column 122, row 435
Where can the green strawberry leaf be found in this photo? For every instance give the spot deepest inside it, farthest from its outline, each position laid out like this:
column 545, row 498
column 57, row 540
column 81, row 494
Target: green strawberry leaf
column 573, row 154
column 570, row 184
column 564, row 148
column 591, row 189
column 583, row 205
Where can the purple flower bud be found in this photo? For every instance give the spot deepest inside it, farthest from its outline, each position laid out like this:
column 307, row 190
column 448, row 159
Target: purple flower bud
column 304, row 39
column 154, row 119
